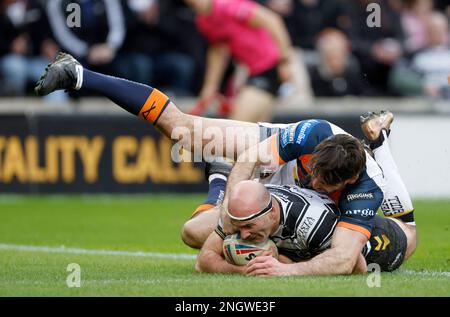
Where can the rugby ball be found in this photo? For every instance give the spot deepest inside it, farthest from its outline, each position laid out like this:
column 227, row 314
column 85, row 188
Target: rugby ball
column 239, row 252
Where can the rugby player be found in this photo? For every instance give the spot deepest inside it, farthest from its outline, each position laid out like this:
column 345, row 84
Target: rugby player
column 303, row 224
column 328, row 160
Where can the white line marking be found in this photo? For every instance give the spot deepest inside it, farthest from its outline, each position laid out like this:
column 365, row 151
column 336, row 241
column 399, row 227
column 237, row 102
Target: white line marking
column 174, row 256
column 63, row 249
column 424, row 273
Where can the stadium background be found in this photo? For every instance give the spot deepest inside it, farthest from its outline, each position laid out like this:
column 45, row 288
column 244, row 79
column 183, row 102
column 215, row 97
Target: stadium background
column 64, row 160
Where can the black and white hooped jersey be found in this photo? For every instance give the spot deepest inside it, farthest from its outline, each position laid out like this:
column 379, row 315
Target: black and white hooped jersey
column 307, row 221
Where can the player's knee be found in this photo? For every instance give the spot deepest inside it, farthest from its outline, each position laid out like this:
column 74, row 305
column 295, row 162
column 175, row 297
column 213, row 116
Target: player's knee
column 191, row 235
column 411, row 235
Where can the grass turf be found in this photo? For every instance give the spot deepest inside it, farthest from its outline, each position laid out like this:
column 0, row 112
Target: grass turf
column 152, row 224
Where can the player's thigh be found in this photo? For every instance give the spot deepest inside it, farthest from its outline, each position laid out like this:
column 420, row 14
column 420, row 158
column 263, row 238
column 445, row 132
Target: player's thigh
column 207, row 136
column 200, row 226
column 253, row 104
column 411, row 236
column 388, row 244
column 228, row 138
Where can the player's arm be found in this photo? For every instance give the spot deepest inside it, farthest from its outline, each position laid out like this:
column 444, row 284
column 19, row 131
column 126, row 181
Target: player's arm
column 216, row 62
column 211, row 260
column 274, row 24
column 341, row 258
column 358, row 208
column 254, row 156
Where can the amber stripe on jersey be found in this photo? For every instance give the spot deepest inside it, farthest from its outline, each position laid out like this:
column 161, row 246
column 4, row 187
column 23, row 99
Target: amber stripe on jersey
column 353, row 227
column 154, row 106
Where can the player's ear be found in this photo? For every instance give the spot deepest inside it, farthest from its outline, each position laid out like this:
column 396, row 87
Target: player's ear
column 272, row 214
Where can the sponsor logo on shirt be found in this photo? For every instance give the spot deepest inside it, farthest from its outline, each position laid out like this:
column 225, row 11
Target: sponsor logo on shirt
column 305, row 130
column 360, row 196
column 360, row 212
column 288, row 135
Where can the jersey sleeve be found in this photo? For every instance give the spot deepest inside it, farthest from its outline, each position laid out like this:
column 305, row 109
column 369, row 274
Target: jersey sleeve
column 358, row 205
column 300, row 139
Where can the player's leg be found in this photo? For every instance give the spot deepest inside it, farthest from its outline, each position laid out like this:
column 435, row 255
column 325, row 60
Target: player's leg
column 230, row 137
column 390, row 244
column 205, row 218
column 411, row 237
column 197, row 229
column 253, row 105
column 397, row 202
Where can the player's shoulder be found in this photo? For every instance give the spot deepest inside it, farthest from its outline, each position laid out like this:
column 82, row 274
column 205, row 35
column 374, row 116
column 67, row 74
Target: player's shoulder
column 294, row 193
column 367, row 191
column 300, row 132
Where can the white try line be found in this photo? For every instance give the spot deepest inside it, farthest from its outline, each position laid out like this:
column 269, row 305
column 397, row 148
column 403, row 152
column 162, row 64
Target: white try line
column 62, row 249
column 173, row 256
column 424, row 273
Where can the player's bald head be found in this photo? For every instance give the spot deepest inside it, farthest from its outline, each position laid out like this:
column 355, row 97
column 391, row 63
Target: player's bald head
column 247, row 198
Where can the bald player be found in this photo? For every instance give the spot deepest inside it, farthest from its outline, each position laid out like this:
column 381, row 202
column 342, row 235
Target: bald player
column 302, row 224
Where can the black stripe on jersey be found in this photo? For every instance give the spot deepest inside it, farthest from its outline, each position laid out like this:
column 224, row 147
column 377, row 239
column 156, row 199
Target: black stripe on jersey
column 294, row 217
column 220, row 232
column 323, row 230
column 316, row 227
column 330, row 234
column 295, row 209
column 333, row 208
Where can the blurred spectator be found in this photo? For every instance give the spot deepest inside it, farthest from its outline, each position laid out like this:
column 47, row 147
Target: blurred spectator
column 338, row 72
column 414, row 19
column 433, row 63
column 254, row 37
column 26, row 46
column 310, row 17
column 152, row 52
column 282, row 7
column 377, row 48
column 305, row 19
column 444, row 6
column 100, row 37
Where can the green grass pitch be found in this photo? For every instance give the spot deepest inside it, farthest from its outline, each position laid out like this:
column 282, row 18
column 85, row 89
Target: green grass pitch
column 34, row 263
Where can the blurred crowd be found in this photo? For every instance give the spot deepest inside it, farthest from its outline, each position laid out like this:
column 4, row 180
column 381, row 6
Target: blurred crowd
column 157, row 43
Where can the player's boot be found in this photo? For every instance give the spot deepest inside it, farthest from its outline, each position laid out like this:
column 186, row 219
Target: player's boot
column 373, row 122
column 221, row 166
column 64, row 73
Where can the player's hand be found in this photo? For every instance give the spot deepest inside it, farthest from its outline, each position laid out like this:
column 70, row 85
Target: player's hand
column 286, row 67
column 267, row 265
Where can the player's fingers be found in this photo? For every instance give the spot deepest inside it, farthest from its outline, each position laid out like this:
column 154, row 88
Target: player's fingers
column 260, row 272
column 259, row 259
column 265, row 253
column 258, row 266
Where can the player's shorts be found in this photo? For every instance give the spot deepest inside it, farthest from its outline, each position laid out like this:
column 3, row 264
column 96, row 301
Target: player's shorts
column 267, row 81
column 387, row 245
